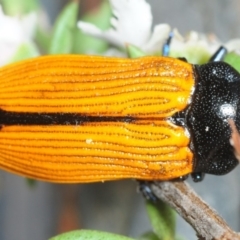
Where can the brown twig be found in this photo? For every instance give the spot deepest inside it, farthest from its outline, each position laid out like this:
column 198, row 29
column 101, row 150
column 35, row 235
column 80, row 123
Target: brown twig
column 206, row 222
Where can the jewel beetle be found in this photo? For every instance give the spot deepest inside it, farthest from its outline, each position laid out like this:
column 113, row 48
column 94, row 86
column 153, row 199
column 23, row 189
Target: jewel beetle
column 73, row 118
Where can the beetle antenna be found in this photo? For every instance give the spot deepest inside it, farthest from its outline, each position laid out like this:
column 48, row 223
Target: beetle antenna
column 166, row 45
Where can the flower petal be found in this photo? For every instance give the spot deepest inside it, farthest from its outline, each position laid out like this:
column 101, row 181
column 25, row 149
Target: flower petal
column 14, row 32
column 158, row 38
column 233, row 45
column 131, row 24
column 110, row 35
column 196, row 48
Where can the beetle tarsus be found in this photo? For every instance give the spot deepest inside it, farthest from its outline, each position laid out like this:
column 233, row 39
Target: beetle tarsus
column 146, row 191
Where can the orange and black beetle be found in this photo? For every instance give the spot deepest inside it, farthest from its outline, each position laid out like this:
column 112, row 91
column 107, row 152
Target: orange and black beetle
column 70, row 118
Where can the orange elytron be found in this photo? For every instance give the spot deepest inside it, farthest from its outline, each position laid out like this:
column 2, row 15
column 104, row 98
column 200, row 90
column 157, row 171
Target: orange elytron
column 70, row 118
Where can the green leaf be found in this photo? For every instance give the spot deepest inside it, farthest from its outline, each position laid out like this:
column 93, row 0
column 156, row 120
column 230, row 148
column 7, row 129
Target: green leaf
column 19, row 7
column 134, row 52
column 162, row 219
column 25, row 51
column 233, row 59
column 42, row 38
column 63, row 31
column 148, row 236
column 179, row 238
column 89, row 235
column 101, row 19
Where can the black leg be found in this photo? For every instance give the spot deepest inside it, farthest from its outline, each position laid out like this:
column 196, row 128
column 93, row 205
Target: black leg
column 197, row 176
column 218, row 55
column 146, row 191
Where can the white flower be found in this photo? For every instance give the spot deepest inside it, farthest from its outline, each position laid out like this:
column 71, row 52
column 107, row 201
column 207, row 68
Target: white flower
column 198, row 48
column 131, row 24
column 15, row 31
column 233, row 45
column 195, row 47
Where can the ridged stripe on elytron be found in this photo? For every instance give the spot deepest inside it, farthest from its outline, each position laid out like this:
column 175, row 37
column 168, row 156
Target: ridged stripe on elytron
column 150, row 86
column 141, row 150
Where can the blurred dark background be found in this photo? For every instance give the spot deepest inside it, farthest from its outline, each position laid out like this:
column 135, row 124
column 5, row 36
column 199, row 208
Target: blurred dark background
column 47, row 209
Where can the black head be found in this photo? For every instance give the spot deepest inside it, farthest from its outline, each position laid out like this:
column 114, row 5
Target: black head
column 216, row 99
